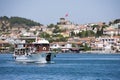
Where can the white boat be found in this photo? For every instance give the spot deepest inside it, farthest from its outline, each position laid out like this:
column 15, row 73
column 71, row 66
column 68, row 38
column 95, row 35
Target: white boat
column 37, row 51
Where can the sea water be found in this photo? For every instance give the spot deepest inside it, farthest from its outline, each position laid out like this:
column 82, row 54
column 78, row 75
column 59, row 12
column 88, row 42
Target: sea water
column 65, row 67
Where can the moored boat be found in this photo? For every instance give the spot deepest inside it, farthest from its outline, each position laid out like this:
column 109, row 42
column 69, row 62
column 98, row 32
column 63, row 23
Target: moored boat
column 37, row 51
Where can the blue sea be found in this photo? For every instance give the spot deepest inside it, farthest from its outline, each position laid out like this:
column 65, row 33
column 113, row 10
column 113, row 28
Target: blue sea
column 65, row 67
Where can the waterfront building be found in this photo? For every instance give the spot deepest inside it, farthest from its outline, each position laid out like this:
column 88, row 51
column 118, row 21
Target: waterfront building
column 105, row 44
column 64, row 46
column 4, row 46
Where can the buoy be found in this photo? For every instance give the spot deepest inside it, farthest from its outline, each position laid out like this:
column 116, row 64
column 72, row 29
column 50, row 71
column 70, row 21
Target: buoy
column 44, row 48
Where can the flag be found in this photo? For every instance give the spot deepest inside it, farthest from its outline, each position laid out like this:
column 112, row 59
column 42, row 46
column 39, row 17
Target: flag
column 66, row 15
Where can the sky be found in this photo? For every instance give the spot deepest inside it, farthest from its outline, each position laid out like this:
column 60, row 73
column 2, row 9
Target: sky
column 49, row 11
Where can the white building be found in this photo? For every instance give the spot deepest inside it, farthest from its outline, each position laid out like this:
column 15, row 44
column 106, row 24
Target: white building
column 104, row 44
column 61, row 45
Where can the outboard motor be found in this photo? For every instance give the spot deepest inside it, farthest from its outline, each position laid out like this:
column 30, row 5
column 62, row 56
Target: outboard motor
column 48, row 57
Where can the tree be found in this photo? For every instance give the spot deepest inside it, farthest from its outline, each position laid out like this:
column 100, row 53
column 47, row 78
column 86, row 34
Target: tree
column 56, row 30
column 73, row 45
column 4, row 18
column 94, row 26
column 72, row 34
column 116, row 21
column 98, row 33
column 101, row 32
column 83, row 33
column 44, row 35
column 104, row 26
column 86, row 47
column 88, row 33
column 51, row 26
column 110, row 23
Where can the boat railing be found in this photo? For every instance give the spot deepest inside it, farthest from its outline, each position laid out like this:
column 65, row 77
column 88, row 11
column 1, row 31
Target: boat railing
column 19, row 51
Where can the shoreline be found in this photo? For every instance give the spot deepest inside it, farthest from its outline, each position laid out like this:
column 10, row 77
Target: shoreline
column 95, row 52
column 83, row 52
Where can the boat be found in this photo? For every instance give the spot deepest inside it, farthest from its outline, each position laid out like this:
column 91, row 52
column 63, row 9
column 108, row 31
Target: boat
column 37, row 51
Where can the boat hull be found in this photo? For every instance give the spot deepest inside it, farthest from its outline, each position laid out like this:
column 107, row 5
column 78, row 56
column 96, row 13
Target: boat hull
column 39, row 57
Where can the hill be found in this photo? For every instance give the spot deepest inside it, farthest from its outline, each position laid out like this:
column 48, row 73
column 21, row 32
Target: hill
column 19, row 20
column 7, row 23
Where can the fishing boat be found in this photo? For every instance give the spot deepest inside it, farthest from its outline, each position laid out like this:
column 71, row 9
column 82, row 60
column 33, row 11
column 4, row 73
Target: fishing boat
column 37, row 51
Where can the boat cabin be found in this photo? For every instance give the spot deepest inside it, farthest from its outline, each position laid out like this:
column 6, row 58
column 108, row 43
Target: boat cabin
column 33, row 48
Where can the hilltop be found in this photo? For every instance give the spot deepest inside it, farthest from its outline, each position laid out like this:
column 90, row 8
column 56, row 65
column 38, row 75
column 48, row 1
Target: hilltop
column 7, row 23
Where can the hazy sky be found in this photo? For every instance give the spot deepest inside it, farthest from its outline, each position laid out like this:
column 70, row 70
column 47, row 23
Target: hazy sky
column 49, row 11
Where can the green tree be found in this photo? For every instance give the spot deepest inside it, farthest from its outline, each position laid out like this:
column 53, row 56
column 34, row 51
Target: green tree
column 72, row 34
column 116, row 21
column 94, row 26
column 86, row 47
column 98, row 33
column 86, row 33
column 4, row 18
column 110, row 23
column 44, row 35
column 56, row 30
column 83, row 33
column 51, row 26
column 73, row 45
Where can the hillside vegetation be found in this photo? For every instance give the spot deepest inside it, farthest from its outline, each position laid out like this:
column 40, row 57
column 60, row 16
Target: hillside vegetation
column 6, row 22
